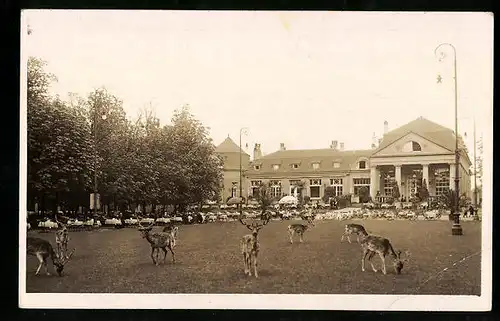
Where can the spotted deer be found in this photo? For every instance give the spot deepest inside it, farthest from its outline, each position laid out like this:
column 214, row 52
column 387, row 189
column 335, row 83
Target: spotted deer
column 43, row 250
column 300, row 229
column 62, row 238
column 249, row 245
column 372, row 244
column 158, row 240
column 350, row 229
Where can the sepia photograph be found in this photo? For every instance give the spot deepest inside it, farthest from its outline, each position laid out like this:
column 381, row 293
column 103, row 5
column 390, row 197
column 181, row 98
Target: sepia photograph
column 256, row 160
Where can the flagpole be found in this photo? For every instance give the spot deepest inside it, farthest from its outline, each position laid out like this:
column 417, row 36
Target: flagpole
column 456, row 229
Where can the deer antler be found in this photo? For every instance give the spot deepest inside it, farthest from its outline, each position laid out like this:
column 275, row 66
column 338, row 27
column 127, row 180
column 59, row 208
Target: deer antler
column 248, row 226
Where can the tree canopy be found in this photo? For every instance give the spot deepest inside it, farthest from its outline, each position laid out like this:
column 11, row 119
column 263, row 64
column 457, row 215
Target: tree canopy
column 135, row 162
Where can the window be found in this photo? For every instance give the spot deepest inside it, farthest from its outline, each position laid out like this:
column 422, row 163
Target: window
column 336, row 165
column 315, row 165
column 294, row 184
column 442, row 181
column 276, row 167
column 337, row 184
column 412, row 146
column 275, row 188
column 234, row 189
column 315, row 187
column 257, row 167
column 362, row 165
column 360, row 182
column 389, row 182
column 295, row 166
column 255, row 187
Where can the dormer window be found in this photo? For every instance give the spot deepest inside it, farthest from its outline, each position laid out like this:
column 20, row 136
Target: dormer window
column 276, row 167
column 336, row 165
column 362, row 165
column 315, row 165
column 256, row 167
column 295, row 166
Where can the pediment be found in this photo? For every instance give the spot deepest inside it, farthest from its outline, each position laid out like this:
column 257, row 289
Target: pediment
column 409, row 144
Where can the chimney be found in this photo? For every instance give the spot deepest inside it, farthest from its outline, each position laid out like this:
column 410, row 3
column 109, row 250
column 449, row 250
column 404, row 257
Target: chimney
column 341, row 146
column 257, row 153
column 374, row 141
column 282, row 146
column 386, row 127
column 334, row 144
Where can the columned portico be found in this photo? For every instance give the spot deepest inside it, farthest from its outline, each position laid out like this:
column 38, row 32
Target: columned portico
column 425, row 174
column 374, row 181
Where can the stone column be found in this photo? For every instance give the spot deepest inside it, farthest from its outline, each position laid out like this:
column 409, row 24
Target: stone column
column 397, row 173
column 425, row 174
column 452, row 176
column 373, row 181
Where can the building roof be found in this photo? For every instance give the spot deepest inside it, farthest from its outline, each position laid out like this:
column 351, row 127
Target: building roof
column 229, row 146
column 305, row 158
column 429, row 130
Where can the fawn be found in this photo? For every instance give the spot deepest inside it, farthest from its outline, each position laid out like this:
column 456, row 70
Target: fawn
column 158, row 240
column 350, row 229
column 249, row 245
column 300, row 229
column 372, row 244
column 62, row 238
column 43, row 250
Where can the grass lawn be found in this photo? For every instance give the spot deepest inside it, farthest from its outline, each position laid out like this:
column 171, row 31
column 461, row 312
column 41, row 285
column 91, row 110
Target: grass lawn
column 208, row 260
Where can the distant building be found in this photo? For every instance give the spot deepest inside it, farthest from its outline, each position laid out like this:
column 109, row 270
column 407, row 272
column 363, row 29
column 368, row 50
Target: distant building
column 230, row 153
column 409, row 155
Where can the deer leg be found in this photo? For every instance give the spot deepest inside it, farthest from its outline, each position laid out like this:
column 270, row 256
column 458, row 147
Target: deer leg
column 249, row 263
column 40, row 260
column 65, row 249
column 152, row 255
column 358, row 238
column 301, row 237
column 173, row 254
column 382, row 257
column 164, row 254
column 365, row 253
column 255, row 266
column 245, row 262
column 46, row 267
column 290, row 233
column 370, row 260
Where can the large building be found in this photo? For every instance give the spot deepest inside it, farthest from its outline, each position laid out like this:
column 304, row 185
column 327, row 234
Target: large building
column 416, row 153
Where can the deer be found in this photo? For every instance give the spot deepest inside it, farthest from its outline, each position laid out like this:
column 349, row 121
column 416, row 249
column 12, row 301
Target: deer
column 43, row 250
column 350, row 229
column 62, row 238
column 172, row 229
column 249, row 245
column 300, row 229
column 372, row 244
column 158, row 240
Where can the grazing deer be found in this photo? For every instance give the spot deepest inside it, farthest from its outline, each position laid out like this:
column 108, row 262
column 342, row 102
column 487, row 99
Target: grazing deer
column 300, row 229
column 158, row 240
column 372, row 244
column 62, row 238
column 43, row 250
column 249, row 245
column 350, row 229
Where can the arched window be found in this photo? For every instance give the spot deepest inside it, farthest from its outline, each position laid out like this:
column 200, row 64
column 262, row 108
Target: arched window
column 412, row 146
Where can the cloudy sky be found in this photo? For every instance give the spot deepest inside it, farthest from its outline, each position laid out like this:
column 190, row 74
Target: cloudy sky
column 299, row 78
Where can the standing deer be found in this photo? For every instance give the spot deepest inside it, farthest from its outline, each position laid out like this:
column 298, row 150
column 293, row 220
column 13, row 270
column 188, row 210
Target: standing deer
column 43, row 250
column 300, row 229
column 158, row 240
column 372, row 244
column 350, row 229
column 249, row 245
column 62, row 238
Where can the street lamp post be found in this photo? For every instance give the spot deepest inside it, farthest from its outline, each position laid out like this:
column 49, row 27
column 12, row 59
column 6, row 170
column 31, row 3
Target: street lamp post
column 103, row 116
column 475, row 174
column 243, row 130
column 456, row 229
